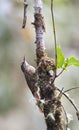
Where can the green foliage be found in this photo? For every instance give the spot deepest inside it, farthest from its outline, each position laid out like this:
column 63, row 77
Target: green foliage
column 63, row 62
column 73, row 61
column 60, row 57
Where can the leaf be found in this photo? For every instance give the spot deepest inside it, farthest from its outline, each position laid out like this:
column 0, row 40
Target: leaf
column 73, row 61
column 63, row 62
column 60, row 57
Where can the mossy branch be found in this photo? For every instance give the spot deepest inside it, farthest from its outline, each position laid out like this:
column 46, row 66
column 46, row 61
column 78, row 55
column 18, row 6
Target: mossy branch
column 41, row 79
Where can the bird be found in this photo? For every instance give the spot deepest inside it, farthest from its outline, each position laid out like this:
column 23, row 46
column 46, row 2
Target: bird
column 31, row 78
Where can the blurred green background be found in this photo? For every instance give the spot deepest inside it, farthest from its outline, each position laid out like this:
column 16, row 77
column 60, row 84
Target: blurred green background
column 17, row 107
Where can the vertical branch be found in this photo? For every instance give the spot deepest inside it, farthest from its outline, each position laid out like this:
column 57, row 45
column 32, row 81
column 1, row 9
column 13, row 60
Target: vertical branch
column 41, row 80
column 25, row 16
column 53, row 21
column 39, row 29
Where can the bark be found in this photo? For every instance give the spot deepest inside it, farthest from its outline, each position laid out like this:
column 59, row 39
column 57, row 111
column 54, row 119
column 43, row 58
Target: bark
column 39, row 29
column 25, row 14
column 41, row 80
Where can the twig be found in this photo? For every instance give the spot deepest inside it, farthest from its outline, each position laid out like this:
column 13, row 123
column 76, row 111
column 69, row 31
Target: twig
column 59, row 96
column 71, row 89
column 54, row 31
column 70, row 100
column 77, row 113
column 25, row 16
column 60, row 73
column 73, row 104
column 66, row 117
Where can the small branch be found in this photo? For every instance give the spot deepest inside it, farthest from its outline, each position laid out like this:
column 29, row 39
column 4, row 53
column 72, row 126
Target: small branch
column 65, row 65
column 73, row 104
column 60, row 73
column 25, row 16
column 71, row 89
column 70, row 100
column 60, row 94
column 59, row 97
column 54, row 33
column 66, row 117
column 77, row 113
